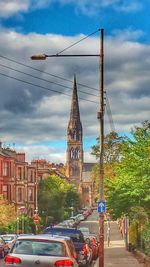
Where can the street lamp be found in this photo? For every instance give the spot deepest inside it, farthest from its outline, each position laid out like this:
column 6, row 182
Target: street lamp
column 101, row 120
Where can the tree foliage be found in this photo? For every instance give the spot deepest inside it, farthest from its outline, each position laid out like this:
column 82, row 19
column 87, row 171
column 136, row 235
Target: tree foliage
column 8, row 214
column 126, row 171
column 55, row 197
column 131, row 185
column 112, row 154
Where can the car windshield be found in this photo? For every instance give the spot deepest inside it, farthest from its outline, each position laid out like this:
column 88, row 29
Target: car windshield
column 8, row 238
column 39, row 247
column 75, row 237
column 84, row 230
column 1, row 240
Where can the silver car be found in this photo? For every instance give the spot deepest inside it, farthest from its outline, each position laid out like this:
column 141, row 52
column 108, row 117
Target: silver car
column 9, row 239
column 42, row 251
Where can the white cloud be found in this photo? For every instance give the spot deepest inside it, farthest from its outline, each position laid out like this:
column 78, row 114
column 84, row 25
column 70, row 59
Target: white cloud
column 12, row 7
column 128, row 6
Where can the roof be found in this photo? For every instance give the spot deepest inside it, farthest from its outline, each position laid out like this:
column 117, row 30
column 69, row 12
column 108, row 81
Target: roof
column 88, row 166
column 61, row 229
column 44, row 236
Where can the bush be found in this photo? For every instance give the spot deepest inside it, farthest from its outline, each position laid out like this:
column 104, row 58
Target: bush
column 146, row 239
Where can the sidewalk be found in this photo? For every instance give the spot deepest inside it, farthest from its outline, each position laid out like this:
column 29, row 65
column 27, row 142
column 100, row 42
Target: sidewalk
column 116, row 254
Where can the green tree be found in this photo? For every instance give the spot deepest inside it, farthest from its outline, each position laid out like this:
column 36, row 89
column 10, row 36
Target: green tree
column 112, row 154
column 55, row 197
column 131, row 185
column 8, row 214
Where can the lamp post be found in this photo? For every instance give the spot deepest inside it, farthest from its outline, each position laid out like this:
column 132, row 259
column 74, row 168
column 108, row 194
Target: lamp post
column 101, row 120
column 36, row 217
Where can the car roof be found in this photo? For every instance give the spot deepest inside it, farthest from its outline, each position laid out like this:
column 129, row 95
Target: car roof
column 69, row 230
column 43, row 237
column 8, row 235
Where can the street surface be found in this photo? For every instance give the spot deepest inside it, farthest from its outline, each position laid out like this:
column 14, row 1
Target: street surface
column 115, row 255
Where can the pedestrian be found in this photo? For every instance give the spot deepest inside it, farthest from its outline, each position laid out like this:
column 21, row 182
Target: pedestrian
column 108, row 234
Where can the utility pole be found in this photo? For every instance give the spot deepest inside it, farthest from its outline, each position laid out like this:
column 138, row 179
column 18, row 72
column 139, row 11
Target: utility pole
column 36, row 217
column 101, row 143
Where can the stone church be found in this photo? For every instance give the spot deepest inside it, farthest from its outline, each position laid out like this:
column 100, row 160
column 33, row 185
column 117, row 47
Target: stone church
column 78, row 172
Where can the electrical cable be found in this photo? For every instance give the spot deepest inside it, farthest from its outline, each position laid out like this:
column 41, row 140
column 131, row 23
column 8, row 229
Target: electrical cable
column 66, row 87
column 47, row 73
column 77, row 42
column 109, row 113
column 44, row 88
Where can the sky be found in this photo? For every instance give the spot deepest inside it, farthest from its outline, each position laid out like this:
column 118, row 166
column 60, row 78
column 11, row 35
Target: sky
column 35, row 98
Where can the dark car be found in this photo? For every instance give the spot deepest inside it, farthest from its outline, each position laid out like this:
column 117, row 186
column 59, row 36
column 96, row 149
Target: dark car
column 82, row 249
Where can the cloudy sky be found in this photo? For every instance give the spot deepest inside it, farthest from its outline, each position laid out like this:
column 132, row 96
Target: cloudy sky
column 36, row 95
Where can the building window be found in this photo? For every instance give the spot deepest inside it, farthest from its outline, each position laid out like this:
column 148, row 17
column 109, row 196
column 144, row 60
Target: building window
column 5, row 168
column 72, row 153
column 20, row 194
column 31, row 176
column 40, row 178
column 30, row 194
column 77, row 153
column 5, row 188
column 19, row 173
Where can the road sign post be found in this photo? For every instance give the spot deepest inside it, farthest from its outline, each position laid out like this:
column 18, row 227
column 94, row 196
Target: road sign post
column 101, row 208
column 36, row 219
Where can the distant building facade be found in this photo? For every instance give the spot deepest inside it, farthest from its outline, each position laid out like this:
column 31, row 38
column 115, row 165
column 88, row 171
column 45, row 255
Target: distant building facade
column 17, row 180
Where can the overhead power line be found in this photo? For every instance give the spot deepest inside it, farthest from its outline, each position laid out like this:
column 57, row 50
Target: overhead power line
column 77, row 42
column 44, row 88
column 47, row 73
column 109, row 113
column 45, row 80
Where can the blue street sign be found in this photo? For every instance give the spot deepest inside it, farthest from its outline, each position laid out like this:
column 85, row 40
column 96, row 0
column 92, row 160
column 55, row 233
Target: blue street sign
column 101, row 208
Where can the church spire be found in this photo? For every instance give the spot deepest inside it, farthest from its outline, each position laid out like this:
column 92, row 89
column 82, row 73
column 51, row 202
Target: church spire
column 74, row 122
column 75, row 114
column 74, row 162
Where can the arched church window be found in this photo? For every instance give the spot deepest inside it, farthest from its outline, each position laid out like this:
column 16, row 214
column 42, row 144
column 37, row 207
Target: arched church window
column 75, row 136
column 72, row 153
column 77, row 153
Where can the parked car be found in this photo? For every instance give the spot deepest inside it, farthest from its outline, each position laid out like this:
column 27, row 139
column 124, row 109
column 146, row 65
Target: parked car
column 3, row 248
column 85, row 231
column 9, row 239
column 83, row 252
column 67, row 223
column 92, row 242
column 75, row 219
column 42, row 250
column 80, row 217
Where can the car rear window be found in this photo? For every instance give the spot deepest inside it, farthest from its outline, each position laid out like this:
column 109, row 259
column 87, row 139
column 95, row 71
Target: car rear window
column 39, row 247
column 8, row 238
column 75, row 236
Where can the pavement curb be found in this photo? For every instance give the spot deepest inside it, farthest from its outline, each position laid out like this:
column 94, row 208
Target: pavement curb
column 142, row 258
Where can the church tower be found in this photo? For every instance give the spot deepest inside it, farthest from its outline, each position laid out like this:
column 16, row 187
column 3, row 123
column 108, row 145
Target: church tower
column 74, row 161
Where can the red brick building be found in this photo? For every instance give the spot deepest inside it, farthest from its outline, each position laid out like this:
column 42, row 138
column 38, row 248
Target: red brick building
column 17, row 180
